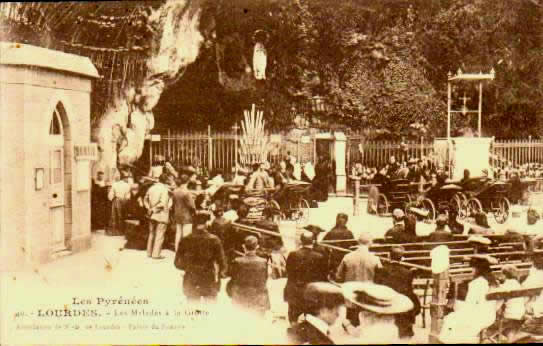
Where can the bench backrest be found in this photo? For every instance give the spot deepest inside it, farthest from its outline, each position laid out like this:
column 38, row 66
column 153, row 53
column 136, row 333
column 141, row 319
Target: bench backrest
column 523, row 292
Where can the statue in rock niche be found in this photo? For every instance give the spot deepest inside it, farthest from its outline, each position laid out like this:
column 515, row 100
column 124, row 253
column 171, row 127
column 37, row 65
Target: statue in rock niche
column 260, row 55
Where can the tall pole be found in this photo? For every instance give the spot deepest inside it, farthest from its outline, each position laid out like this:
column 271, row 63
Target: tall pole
column 235, row 127
column 449, row 101
column 449, row 92
column 480, row 106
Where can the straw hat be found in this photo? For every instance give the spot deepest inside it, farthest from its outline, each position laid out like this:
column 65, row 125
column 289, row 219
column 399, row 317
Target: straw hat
column 479, row 239
column 376, row 298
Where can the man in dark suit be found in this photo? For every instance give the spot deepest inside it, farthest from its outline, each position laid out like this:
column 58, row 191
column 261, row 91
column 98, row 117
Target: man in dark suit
column 200, row 254
column 441, row 234
column 324, row 301
column 397, row 234
column 304, row 266
column 400, row 279
column 340, row 236
column 249, row 273
column 183, row 204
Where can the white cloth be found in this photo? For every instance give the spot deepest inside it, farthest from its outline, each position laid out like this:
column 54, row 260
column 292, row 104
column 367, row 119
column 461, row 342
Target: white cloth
column 231, row 215
column 309, row 170
column 534, row 279
column 120, row 189
column 322, row 326
column 297, row 171
column 156, row 171
column 477, row 291
column 514, row 308
column 471, row 316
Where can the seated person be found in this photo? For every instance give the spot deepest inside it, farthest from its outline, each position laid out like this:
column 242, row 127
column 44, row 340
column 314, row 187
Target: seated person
column 215, row 183
column 281, row 176
column 513, row 309
column 454, row 226
column 481, row 225
column 475, row 313
column 398, row 234
column 259, row 180
column 239, row 177
column 466, row 177
column 534, row 305
column 381, row 178
column 441, row 234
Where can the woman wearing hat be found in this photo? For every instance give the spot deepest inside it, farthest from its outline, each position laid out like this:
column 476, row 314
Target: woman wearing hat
column 513, row 309
column 476, row 312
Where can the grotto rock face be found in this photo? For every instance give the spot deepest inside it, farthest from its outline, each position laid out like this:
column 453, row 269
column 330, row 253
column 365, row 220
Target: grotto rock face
column 122, row 129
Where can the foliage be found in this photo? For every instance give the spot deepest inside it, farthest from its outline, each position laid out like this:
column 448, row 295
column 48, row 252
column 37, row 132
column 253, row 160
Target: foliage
column 383, row 64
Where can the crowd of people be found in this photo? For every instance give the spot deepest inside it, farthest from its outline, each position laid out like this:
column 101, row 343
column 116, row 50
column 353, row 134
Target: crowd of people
column 371, row 300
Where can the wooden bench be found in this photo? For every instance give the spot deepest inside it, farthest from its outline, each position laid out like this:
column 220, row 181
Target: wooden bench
column 498, row 335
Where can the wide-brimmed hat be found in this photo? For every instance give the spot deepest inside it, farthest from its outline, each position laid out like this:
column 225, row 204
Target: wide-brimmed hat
column 376, row 298
column 479, row 240
column 482, row 260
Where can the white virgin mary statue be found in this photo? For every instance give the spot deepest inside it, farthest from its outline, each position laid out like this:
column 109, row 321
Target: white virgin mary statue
column 259, row 61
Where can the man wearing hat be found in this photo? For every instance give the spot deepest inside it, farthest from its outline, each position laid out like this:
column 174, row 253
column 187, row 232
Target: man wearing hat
column 201, row 256
column 157, row 201
column 400, row 279
column 377, row 307
column 304, row 266
column 441, row 234
column 480, row 244
column 324, row 302
column 397, row 233
column 359, row 265
column 249, row 275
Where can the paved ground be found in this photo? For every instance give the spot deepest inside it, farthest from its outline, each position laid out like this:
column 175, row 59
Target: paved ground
column 107, row 271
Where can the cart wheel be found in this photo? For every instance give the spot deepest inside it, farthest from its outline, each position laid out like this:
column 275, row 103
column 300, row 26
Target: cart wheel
column 302, row 212
column 382, row 205
column 428, row 205
column 458, row 206
column 275, row 211
column 462, row 197
column 474, row 206
column 501, row 213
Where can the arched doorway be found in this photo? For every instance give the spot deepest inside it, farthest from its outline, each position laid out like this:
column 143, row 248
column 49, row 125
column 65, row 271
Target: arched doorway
column 59, row 178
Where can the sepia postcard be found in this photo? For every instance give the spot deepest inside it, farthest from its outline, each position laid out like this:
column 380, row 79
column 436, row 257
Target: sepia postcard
column 178, row 172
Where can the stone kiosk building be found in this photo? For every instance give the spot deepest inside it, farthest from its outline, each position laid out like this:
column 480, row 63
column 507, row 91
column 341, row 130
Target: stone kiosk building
column 45, row 154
